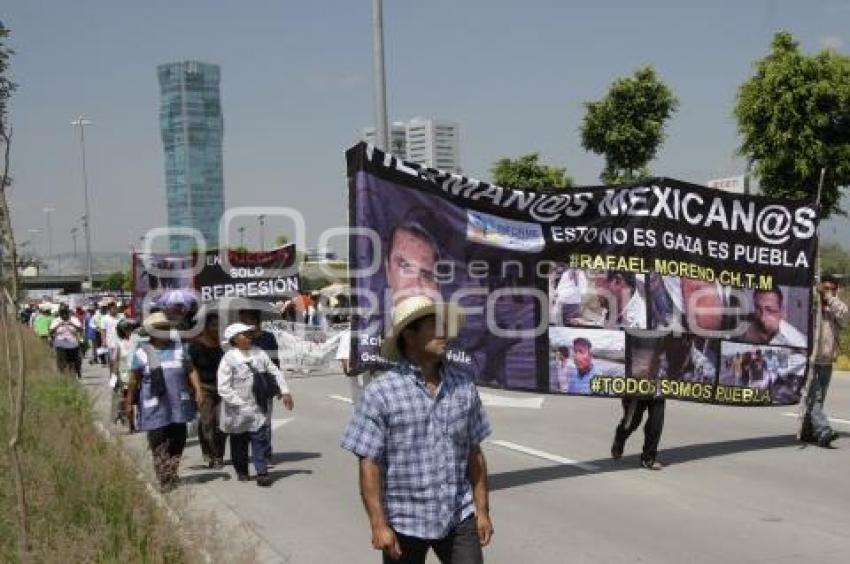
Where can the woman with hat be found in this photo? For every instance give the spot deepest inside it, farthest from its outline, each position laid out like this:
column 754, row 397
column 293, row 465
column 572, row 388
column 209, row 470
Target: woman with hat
column 159, row 371
column 242, row 416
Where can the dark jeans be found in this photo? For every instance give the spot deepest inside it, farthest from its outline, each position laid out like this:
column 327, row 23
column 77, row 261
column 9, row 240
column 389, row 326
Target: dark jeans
column 167, row 444
column 461, row 546
column 239, row 443
column 267, row 429
column 815, row 422
column 633, row 409
column 68, row 359
column 210, row 436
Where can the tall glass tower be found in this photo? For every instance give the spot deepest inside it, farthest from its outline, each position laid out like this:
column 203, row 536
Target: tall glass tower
column 192, row 127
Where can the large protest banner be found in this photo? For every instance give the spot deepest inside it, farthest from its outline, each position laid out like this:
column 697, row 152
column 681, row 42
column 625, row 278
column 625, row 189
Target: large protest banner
column 266, row 276
column 658, row 288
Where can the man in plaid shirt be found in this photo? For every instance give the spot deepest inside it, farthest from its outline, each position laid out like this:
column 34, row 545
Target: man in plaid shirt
column 417, row 434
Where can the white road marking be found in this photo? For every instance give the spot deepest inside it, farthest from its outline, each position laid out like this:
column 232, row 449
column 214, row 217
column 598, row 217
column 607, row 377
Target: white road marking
column 831, row 419
column 278, row 423
column 544, row 455
column 494, row 400
column 490, row 400
column 341, row 398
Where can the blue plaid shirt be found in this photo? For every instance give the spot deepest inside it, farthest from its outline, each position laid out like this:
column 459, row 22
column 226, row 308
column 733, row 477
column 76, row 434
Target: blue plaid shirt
column 422, row 443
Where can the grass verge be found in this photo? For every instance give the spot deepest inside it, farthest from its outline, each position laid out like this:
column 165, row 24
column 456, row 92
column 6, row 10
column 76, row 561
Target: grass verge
column 84, row 501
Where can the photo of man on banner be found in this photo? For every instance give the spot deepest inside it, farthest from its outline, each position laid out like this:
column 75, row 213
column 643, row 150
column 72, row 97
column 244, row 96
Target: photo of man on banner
column 425, row 251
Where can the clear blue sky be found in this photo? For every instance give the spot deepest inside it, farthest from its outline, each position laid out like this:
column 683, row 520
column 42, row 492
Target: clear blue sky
column 297, row 89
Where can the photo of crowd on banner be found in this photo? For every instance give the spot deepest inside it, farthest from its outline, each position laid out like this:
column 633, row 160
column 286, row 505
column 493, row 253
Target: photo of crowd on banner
column 675, row 329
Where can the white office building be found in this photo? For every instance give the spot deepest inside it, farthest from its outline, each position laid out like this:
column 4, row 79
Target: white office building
column 429, row 142
column 398, row 135
column 434, row 143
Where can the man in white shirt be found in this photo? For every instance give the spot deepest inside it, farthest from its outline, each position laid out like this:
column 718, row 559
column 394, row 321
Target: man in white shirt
column 568, row 294
column 109, row 332
column 768, row 324
column 630, row 305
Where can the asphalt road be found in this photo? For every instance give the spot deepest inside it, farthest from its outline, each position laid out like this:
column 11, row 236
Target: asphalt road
column 737, row 488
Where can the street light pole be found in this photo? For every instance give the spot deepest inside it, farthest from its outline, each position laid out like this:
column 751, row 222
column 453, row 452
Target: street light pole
column 241, row 231
column 747, row 173
column 382, row 139
column 82, row 122
column 74, row 231
column 262, row 220
column 47, row 212
column 34, row 238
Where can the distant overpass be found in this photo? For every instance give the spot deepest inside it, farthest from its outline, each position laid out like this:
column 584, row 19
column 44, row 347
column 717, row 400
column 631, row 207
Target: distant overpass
column 68, row 283
column 331, row 271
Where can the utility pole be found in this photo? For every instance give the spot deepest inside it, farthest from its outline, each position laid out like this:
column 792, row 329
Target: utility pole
column 74, row 231
column 82, row 122
column 382, row 139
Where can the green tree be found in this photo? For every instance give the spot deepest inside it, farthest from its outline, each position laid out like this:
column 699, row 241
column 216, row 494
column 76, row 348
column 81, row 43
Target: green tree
column 118, row 280
column 794, row 118
column 627, row 125
column 281, row 240
column 313, row 284
column 525, row 172
column 834, row 259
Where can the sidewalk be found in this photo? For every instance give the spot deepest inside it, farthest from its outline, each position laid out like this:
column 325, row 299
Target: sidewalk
column 194, row 506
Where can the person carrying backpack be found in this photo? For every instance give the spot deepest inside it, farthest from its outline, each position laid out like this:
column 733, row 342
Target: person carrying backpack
column 159, row 371
column 65, row 333
column 247, row 380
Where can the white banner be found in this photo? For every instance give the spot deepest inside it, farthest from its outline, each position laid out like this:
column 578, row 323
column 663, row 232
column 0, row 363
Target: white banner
column 309, row 349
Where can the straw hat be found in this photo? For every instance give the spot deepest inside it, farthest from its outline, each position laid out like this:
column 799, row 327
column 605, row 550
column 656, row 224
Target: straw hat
column 156, row 321
column 409, row 310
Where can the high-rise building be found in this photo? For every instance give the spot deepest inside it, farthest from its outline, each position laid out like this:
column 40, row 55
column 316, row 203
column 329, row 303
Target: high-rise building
column 192, row 127
column 434, row 143
column 398, row 133
column 428, row 142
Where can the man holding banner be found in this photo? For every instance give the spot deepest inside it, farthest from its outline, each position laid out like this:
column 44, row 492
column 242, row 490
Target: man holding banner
column 832, row 316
